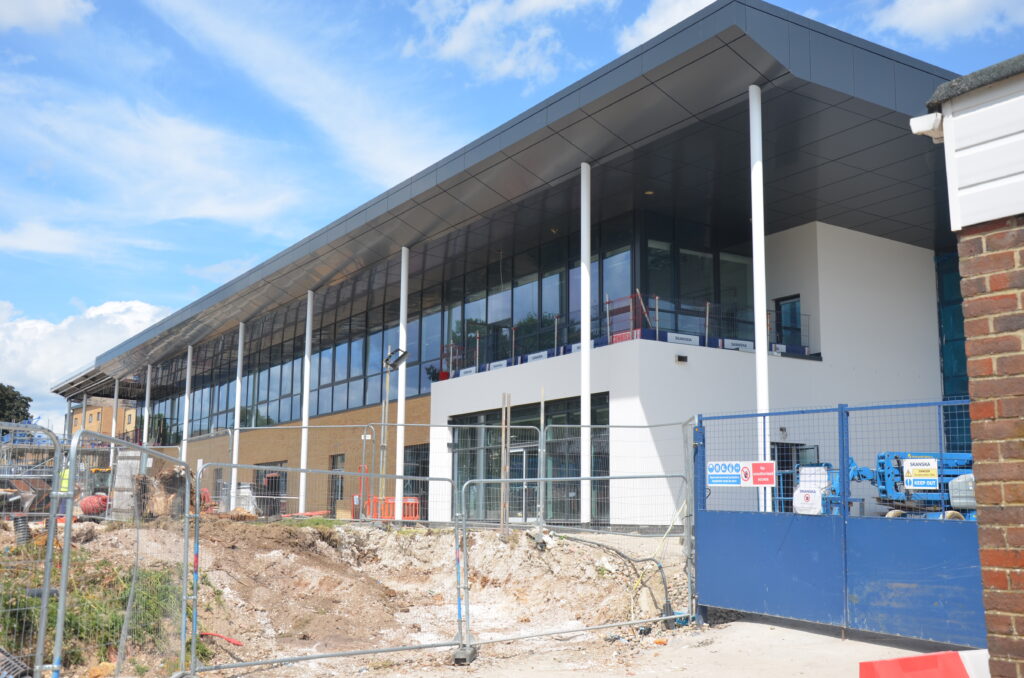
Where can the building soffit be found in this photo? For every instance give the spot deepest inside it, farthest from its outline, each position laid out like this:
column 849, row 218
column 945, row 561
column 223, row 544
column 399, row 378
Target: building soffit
column 695, row 73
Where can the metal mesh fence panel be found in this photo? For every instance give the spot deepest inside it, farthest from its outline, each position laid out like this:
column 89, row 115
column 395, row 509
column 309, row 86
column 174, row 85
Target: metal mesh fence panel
column 124, row 547
column 614, row 451
column 586, row 576
column 296, row 571
column 803, row 445
column 487, row 451
column 904, row 457
column 30, row 464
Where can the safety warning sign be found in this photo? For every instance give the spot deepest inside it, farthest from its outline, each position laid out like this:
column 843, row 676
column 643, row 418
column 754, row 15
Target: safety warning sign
column 921, row 474
column 741, row 473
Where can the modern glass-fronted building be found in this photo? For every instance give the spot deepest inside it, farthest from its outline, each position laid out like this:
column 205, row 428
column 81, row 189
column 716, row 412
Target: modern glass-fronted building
column 855, row 215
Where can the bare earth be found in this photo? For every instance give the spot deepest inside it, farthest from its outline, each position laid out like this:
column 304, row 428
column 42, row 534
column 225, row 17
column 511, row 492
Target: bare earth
column 284, row 590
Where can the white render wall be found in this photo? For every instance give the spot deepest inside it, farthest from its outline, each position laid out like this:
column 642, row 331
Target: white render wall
column 874, row 318
column 984, row 148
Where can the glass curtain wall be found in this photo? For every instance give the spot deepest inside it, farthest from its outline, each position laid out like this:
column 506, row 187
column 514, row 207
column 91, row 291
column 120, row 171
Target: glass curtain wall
column 494, row 291
column 167, row 396
column 272, row 367
column 213, row 384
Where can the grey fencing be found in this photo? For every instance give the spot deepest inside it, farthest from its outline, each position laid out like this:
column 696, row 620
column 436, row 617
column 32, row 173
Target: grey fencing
column 615, row 450
column 30, row 467
column 639, row 561
column 372, row 504
column 124, row 558
column 123, row 595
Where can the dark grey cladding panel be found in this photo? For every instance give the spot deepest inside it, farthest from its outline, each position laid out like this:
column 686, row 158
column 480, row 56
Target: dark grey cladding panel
column 618, row 82
column 758, row 58
column 646, row 112
column 813, row 127
column 908, row 201
column 552, row 159
column 706, row 83
column 677, row 51
column 900, row 158
column 447, row 208
column 831, row 62
column 861, row 183
column 821, row 174
column 850, row 140
column 423, row 185
column 592, row 138
column 786, row 109
column 509, row 179
column 874, row 78
column 399, row 197
column 484, row 154
column 797, row 204
column 770, row 32
column 799, row 63
column 526, row 132
column 423, row 220
column 911, row 85
column 925, row 216
column 476, row 196
column 450, row 169
column 894, row 190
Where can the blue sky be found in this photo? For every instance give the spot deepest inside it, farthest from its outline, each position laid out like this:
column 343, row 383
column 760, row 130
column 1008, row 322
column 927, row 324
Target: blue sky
column 152, row 150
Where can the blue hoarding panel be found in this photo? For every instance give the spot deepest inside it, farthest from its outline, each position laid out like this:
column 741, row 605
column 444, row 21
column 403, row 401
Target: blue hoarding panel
column 917, row 578
column 781, row 564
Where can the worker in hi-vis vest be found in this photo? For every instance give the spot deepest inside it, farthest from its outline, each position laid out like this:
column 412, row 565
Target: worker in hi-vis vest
column 65, row 485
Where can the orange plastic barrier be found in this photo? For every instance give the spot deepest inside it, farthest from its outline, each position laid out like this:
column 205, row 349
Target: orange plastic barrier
column 937, row 665
column 383, row 508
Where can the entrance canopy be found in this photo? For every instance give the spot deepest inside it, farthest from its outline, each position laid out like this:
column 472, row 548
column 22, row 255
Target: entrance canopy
column 665, row 127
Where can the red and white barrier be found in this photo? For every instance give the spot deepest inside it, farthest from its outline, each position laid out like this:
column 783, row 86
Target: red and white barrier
column 968, row 664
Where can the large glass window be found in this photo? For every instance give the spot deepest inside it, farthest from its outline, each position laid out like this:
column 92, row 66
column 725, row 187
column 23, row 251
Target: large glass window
column 737, row 296
column 482, row 294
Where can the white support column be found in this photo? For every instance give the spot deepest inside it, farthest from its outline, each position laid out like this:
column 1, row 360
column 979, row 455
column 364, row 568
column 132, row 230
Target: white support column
column 236, row 434
column 306, row 362
column 69, row 421
column 760, row 285
column 585, row 463
column 117, row 405
column 403, row 346
column 146, row 412
column 186, row 415
column 85, row 406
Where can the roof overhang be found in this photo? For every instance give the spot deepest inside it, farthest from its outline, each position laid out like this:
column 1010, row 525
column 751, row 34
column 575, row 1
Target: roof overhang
column 837, row 149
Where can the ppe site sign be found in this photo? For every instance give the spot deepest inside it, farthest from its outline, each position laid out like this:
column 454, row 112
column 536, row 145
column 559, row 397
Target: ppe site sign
column 921, row 474
column 741, row 474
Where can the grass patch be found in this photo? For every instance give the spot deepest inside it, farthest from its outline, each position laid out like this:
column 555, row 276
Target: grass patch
column 328, row 523
column 98, row 592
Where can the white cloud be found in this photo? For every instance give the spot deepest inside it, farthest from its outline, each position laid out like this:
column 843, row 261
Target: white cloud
column 385, row 141
column 36, row 353
column 42, row 16
column 41, row 238
column 659, row 15
column 496, row 39
column 222, row 271
column 124, row 164
column 938, row 23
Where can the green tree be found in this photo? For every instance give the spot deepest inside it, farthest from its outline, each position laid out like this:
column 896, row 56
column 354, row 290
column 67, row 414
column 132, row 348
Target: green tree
column 14, row 405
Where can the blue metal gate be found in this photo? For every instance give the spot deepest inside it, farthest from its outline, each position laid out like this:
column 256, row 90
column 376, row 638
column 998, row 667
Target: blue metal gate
column 915, row 573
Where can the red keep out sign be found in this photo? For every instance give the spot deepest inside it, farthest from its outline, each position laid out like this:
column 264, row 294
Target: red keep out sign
column 764, row 473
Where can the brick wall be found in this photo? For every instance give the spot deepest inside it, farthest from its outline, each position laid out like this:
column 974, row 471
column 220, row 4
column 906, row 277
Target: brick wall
column 992, row 271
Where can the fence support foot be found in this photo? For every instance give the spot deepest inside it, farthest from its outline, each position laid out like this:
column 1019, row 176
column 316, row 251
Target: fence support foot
column 464, row 655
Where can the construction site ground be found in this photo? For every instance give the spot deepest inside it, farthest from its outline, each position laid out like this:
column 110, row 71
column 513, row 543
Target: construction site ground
column 285, row 589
